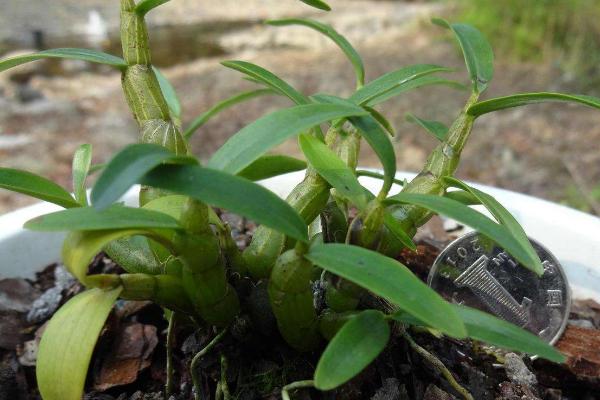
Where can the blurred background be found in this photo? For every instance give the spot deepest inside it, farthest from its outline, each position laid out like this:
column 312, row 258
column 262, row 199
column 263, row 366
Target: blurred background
column 48, row 108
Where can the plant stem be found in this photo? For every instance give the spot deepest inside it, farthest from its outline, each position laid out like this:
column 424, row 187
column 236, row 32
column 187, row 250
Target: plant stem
column 437, row 364
column 196, row 360
column 170, row 338
column 293, row 386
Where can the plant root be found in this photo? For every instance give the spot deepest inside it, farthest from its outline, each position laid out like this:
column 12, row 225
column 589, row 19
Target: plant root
column 196, row 360
column 170, row 338
column 439, row 365
column 293, row 386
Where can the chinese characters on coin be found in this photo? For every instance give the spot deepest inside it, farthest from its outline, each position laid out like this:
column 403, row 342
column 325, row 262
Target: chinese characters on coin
column 475, row 272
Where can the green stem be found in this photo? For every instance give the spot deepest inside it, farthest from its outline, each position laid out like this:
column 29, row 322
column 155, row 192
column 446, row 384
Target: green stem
column 294, row 386
column 196, row 361
column 309, row 197
column 442, row 161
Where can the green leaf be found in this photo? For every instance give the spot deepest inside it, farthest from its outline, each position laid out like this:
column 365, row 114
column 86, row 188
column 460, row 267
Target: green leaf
column 92, row 219
column 521, row 99
column 144, row 6
column 169, row 93
column 233, row 193
column 333, row 170
column 381, row 119
column 393, row 80
column 317, row 4
column 399, row 233
column 463, row 197
column 68, row 53
column 134, row 255
column 35, row 186
column 269, row 79
column 268, row 166
column 352, row 349
column 80, row 247
column 68, row 342
column 127, row 167
column 502, row 215
column 222, row 105
column 389, row 279
column 437, row 129
column 416, row 83
column 332, row 34
column 487, row 328
column 380, row 143
column 257, row 138
column 371, row 130
column 477, row 51
column 81, row 167
column 474, row 219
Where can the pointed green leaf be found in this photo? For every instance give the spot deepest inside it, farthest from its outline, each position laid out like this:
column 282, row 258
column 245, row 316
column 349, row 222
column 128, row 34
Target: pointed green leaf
column 383, row 121
column 502, row 215
column 268, row 166
column 389, row 279
column 92, row 219
column 222, row 105
column 68, row 342
column 487, row 328
column 127, row 167
column 317, row 4
column 393, row 80
column 269, row 79
column 437, row 129
column 80, row 247
column 169, row 93
column 396, row 230
column 416, row 83
column 144, row 6
column 333, row 170
column 81, row 167
column 474, row 219
column 371, row 130
column 521, row 99
column 332, row 34
column 35, row 186
column 256, row 139
column 134, row 255
column 381, row 144
column 462, row 197
column 477, row 51
column 233, row 193
column 68, row 53
column 352, row 349
column 495, row 331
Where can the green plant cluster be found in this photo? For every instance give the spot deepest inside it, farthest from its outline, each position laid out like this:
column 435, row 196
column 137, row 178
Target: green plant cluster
column 178, row 253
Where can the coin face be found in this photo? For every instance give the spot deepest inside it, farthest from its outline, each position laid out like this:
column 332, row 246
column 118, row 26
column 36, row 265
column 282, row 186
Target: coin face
column 475, row 272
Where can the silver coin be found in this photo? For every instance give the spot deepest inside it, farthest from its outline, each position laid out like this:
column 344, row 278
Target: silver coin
column 475, row 272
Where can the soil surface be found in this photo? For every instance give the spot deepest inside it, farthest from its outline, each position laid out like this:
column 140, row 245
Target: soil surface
column 129, row 360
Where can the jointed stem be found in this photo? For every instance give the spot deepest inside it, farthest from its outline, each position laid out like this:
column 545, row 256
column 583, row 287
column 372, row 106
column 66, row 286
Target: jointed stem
column 293, row 386
column 196, row 361
column 436, row 363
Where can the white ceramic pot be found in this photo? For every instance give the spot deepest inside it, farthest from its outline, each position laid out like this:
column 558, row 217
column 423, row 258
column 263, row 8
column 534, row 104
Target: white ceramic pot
column 573, row 236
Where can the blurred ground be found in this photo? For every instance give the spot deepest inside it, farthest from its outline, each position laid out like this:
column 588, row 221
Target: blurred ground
column 544, row 150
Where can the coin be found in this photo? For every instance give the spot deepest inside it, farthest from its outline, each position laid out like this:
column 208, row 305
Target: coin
column 475, row 272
